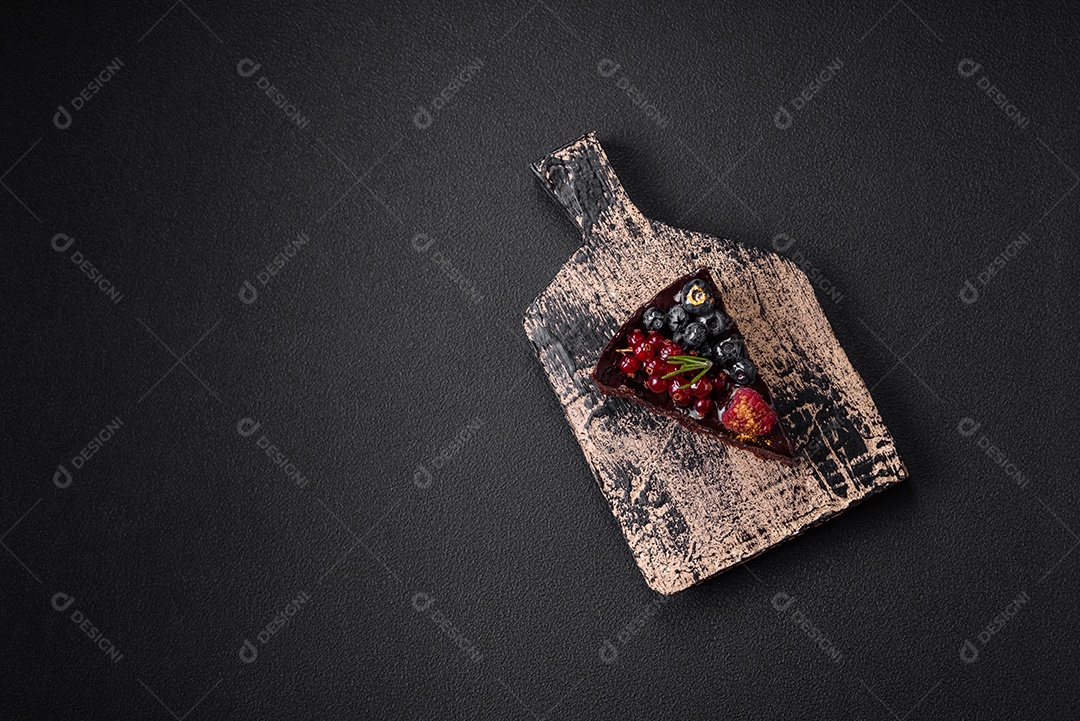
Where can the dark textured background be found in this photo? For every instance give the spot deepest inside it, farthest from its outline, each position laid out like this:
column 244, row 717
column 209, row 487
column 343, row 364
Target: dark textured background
column 368, row 361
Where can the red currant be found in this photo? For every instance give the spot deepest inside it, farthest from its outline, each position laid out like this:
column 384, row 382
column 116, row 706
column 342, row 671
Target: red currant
column 636, row 338
column 629, row 365
column 719, row 382
column 644, row 351
column 670, row 348
column 679, row 397
column 657, row 384
column 656, row 339
column 703, row 406
column 701, row 388
column 657, row 367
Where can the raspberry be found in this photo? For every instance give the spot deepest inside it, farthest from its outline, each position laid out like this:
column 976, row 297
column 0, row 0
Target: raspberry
column 747, row 414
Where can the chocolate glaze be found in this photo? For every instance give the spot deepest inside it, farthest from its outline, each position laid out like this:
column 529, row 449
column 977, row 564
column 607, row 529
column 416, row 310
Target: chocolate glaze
column 612, row 381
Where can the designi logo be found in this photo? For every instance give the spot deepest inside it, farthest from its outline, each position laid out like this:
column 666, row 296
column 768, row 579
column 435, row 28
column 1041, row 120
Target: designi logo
column 783, row 118
column 63, row 117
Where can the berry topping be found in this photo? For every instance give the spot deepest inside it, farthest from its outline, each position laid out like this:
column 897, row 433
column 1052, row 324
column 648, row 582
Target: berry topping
column 653, row 319
column 695, row 335
column 677, row 318
column 728, row 351
column 687, row 365
column 656, row 384
column 644, row 351
column 742, row 372
column 682, row 355
column 697, row 297
column 701, row 387
column 747, row 414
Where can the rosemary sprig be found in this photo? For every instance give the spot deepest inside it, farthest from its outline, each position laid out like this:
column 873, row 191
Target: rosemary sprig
column 687, row 363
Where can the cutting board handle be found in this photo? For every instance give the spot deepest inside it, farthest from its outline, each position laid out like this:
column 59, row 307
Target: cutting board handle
column 582, row 181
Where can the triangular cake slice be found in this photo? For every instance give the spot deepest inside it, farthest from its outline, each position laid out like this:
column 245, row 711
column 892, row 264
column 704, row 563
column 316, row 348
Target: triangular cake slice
column 682, row 356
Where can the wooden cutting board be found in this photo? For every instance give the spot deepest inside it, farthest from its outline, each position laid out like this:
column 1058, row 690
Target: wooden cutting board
column 689, row 505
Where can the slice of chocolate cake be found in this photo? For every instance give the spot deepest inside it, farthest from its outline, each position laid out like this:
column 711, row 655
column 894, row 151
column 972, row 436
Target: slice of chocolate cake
column 682, row 356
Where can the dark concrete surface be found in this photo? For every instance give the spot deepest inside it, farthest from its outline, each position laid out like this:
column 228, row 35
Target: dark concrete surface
column 260, row 461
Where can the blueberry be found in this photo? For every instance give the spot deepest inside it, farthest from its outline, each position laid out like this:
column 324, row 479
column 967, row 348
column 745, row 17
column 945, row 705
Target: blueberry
column 695, row 335
column 728, row 351
column 653, row 319
column 716, row 323
column 697, row 297
column 677, row 318
column 742, row 372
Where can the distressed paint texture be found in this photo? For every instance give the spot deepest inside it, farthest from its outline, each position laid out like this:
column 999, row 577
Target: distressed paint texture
column 689, row 505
